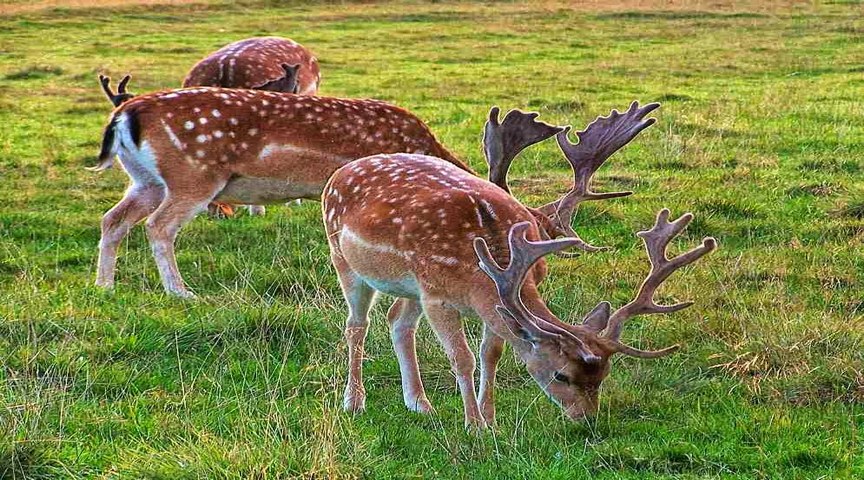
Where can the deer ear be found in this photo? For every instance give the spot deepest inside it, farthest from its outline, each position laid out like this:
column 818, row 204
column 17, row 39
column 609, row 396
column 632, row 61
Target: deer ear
column 292, row 77
column 515, row 327
column 598, row 318
column 290, row 69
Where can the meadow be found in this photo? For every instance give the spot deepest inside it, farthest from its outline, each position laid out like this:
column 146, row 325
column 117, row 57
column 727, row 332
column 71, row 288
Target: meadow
column 760, row 135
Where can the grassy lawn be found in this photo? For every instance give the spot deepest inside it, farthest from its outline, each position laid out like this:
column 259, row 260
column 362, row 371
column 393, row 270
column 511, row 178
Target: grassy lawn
column 761, row 136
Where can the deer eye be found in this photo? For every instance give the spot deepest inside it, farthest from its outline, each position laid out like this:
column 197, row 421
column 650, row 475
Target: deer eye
column 560, row 377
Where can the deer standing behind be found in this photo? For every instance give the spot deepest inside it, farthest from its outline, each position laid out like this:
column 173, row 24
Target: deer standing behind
column 252, row 62
column 184, row 148
column 415, row 227
column 260, row 63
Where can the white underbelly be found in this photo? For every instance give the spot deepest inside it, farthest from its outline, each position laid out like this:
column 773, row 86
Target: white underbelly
column 258, row 190
column 404, row 287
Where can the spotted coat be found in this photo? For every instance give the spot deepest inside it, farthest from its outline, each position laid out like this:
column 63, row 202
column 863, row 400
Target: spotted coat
column 254, row 61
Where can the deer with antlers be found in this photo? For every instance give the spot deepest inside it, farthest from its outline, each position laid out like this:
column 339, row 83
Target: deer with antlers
column 415, row 226
column 184, row 148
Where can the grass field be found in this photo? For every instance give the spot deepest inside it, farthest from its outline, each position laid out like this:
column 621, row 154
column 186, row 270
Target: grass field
column 761, row 135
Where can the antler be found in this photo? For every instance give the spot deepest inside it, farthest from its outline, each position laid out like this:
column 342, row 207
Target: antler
column 122, row 95
column 656, row 240
column 523, row 255
column 602, row 138
column 502, row 141
column 287, row 83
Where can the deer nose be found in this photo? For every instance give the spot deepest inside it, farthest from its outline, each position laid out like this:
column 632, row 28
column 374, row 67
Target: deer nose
column 576, row 414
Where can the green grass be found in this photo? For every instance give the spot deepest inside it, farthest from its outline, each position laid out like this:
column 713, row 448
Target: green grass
column 761, row 135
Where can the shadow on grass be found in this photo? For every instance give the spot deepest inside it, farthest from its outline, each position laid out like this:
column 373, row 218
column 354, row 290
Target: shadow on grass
column 35, row 72
column 23, row 460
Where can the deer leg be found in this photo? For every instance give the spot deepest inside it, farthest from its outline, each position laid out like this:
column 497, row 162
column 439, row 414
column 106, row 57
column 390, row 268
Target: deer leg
column 448, row 328
column 162, row 228
column 403, row 316
column 256, row 210
column 136, row 205
column 491, row 349
column 358, row 295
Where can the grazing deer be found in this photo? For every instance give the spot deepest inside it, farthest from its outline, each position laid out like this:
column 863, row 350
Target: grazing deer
column 288, row 82
column 184, row 148
column 253, row 62
column 260, row 63
column 414, row 226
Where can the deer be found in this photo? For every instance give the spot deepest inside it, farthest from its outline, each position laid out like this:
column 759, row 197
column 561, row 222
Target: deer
column 435, row 236
column 288, row 82
column 253, row 62
column 258, row 63
column 185, row 148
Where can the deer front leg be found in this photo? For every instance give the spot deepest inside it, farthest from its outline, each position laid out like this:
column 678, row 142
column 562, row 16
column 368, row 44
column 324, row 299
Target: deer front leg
column 358, row 295
column 448, row 328
column 491, row 349
column 403, row 316
column 138, row 202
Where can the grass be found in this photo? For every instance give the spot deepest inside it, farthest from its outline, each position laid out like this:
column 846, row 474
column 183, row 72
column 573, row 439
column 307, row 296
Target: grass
column 761, row 135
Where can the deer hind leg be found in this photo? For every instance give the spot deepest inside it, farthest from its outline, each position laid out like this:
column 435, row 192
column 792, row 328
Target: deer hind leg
column 136, row 205
column 448, row 328
column 402, row 317
column 491, row 349
column 358, row 295
column 256, row 210
column 162, row 227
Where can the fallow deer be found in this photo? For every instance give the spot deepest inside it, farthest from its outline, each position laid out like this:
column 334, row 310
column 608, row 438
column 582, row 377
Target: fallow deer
column 252, row 62
column 414, row 226
column 287, row 83
column 260, row 63
column 185, row 148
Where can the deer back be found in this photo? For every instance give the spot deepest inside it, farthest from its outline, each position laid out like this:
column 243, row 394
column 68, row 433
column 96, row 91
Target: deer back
column 268, row 134
column 407, row 215
column 255, row 61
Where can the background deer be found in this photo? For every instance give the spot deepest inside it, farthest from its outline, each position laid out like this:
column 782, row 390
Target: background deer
column 414, row 227
column 184, row 148
column 260, row 63
column 253, row 62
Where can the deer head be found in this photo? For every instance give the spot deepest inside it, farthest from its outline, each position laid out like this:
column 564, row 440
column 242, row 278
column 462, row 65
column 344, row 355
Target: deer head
column 286, row 83
column 569, row 362
column 122, row 95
